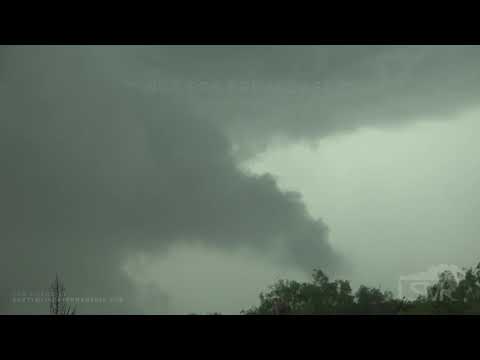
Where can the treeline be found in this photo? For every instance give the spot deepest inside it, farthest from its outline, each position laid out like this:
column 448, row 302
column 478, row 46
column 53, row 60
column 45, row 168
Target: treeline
column 322, row 296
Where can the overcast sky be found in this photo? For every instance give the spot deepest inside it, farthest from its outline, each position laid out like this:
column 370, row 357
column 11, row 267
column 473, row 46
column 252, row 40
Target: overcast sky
column 187, row 179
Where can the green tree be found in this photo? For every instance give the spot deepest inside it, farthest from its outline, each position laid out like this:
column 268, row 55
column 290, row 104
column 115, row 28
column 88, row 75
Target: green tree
column 322, row 296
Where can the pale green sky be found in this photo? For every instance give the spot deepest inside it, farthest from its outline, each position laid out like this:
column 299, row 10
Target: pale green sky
column 110, row 152
column 397, row 202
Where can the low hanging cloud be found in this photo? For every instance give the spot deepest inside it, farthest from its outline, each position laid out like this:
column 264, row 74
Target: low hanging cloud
column 258, row 93
column 109, row 151
column 94, row 171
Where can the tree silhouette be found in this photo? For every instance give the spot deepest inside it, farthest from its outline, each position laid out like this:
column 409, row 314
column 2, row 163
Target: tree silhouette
column 322, row 296
column 58, row 301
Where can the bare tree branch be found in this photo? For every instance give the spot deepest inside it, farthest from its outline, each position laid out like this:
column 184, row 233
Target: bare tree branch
column 58, row 302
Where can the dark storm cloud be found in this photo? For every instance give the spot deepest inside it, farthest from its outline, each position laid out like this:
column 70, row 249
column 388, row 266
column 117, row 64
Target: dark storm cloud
column 96, row 165
column 92, row 172
column 256, row 93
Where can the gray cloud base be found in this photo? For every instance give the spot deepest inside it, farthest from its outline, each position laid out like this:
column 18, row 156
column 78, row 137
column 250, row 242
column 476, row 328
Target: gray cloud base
column 108, row 151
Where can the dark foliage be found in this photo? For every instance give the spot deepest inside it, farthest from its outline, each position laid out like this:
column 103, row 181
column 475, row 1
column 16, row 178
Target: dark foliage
column 322, row 296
